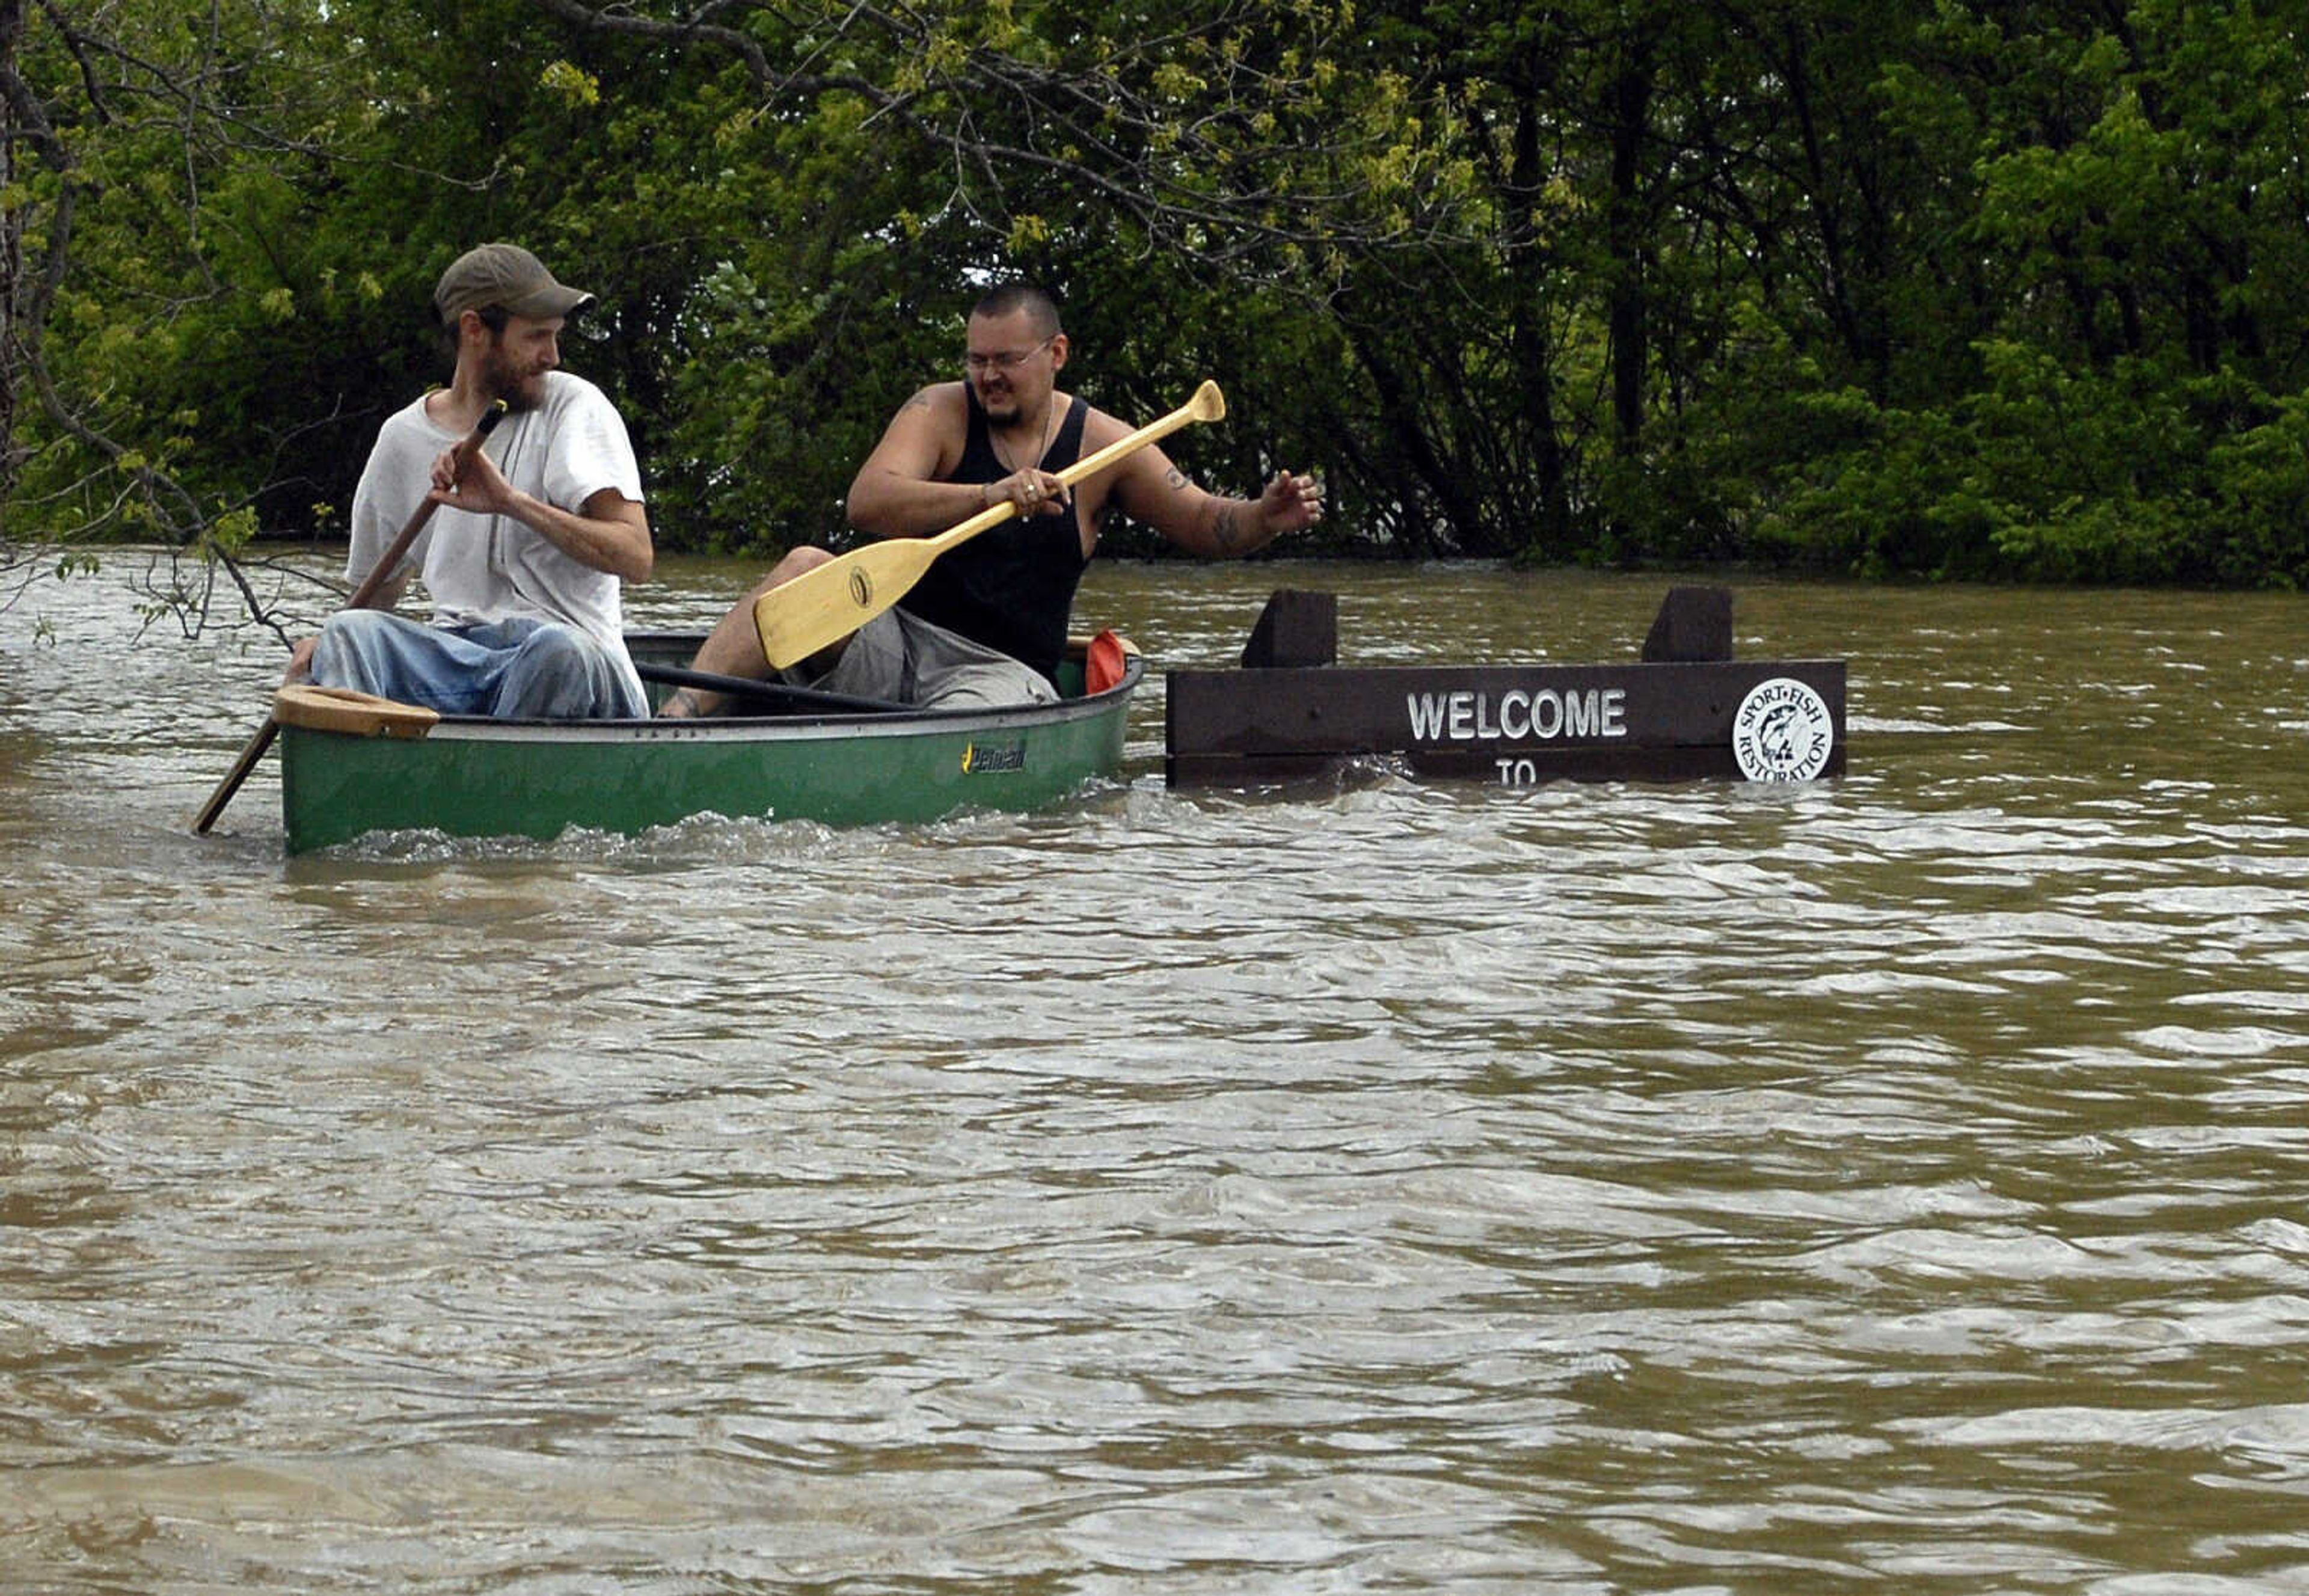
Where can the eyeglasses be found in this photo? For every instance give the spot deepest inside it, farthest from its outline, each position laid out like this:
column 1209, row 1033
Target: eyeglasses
column 1009, row 359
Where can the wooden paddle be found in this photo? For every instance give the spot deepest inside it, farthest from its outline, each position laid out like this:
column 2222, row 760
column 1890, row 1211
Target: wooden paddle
column 827, row 602
column 364, row 597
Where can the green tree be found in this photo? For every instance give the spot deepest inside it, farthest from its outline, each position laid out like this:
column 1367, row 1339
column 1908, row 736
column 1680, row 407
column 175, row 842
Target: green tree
column 1958, row 290
column 141, row 140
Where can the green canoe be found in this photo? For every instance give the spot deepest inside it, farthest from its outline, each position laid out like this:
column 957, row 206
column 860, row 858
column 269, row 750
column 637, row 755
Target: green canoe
column 350, row 765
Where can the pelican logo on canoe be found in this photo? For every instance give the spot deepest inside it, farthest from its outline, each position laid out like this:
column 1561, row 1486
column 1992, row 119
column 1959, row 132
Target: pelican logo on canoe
column 861, row 587
column 1783, row 731
column 978, row 759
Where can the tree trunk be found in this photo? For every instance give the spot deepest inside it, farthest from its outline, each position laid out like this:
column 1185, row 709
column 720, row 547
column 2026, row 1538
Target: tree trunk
column 1630, row 117
column 12, row 256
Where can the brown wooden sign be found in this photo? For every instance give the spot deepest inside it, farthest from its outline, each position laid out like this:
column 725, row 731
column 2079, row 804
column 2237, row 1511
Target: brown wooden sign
column 1658, row 719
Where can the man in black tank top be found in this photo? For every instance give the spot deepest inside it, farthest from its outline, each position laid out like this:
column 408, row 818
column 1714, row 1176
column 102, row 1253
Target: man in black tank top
column 988, row 622
column 1011, row 587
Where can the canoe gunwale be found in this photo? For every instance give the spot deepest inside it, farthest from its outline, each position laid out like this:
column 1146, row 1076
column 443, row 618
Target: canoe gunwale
column 794, row 726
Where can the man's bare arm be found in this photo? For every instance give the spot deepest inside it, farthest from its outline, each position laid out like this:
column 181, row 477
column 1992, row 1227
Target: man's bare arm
column 1153, row 489
column 895, row 492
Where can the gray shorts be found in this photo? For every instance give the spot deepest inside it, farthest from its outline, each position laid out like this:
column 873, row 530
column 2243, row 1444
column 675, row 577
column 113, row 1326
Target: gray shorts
column 906, row 660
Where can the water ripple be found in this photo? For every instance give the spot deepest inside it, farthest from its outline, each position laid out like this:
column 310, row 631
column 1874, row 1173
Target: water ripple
column 1893, row 1182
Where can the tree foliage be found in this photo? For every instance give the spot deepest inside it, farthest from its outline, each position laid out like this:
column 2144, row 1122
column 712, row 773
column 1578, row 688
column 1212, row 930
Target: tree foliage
column 131, row 135
column 1957, row 290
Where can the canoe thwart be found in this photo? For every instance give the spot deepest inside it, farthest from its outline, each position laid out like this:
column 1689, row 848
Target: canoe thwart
column 765, row 696
column 1079, row 647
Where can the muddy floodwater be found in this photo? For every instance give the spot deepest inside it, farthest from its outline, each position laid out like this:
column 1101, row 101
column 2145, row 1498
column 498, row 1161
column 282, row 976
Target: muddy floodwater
column 1897, row 1182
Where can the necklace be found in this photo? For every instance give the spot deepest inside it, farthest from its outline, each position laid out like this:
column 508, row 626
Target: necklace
column 1050, row 419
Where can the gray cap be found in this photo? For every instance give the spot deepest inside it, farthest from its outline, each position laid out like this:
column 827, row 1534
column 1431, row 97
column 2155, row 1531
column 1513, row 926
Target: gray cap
column 504, row 275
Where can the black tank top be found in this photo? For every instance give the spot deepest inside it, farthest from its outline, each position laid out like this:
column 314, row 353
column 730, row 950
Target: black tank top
column 1011, row 587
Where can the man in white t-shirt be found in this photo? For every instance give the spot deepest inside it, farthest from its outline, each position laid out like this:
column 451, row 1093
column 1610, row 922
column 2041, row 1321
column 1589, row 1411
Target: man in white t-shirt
column 531, row 537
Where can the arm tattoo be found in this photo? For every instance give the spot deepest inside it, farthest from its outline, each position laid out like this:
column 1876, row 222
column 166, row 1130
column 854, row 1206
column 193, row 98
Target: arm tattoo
column 1225, row 532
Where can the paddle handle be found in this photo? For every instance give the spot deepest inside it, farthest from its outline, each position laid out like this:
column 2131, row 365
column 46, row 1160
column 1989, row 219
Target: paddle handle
column 364, row 596
column 1207, row 405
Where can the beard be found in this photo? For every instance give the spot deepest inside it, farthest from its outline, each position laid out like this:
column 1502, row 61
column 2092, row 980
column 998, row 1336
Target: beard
column 519, row 390
column 1001, row 406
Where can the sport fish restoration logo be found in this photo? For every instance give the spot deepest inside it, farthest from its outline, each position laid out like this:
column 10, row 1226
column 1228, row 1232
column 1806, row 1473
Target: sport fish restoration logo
column 1783, row 731
column 978, row 759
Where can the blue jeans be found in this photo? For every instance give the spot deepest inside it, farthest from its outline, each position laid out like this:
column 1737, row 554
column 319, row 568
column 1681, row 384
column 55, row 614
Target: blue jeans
column 517, row 670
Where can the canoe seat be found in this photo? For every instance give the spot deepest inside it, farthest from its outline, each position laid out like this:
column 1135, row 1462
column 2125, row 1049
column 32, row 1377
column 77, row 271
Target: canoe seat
column 357, row 713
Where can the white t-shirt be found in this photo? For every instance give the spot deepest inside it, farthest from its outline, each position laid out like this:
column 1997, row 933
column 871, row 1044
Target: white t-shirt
column 481, row 568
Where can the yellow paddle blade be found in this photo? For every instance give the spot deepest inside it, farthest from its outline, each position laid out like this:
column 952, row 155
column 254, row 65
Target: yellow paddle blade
column 826, row 604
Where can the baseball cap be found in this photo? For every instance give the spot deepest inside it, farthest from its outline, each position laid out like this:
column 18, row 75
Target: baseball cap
column 508, row 276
